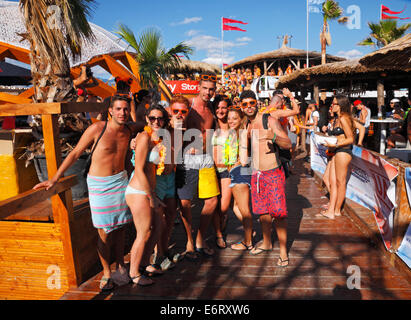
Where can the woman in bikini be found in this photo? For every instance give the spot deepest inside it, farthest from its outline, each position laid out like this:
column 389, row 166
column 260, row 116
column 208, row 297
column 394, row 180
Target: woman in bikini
column 344, row 131
column 220, row 106
column 142, row 199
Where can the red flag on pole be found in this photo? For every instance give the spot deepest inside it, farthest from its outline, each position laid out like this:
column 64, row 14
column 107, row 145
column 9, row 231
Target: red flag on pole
column 388, row 10
column 385, row 9
column 226, row 20
column 228, row 28
column 384, row 17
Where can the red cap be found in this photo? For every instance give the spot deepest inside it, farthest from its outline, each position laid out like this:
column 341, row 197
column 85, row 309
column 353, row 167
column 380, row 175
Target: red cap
column 357, row 102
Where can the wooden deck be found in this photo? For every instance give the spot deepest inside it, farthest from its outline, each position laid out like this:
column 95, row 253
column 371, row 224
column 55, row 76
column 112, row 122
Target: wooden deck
column 320, row 250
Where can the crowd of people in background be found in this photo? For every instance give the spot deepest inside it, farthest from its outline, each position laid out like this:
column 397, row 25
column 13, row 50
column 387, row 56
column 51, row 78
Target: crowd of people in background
column 240, row 152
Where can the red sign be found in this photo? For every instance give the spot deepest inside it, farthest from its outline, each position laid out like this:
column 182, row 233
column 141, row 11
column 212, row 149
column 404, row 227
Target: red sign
column 183, row 86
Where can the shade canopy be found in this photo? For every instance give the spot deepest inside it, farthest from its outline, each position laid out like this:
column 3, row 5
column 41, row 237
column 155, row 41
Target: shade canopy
column 397, row 55
column 12, row 24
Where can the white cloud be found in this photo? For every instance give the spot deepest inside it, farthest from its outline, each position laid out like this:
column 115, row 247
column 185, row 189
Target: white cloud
column 187, row 21
column 351, row 54
column 191, row 33
column 244, row 39
column 212, row 46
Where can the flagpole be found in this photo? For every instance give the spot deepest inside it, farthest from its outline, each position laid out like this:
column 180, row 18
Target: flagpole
column 222, row 52
column 307, row 60
column 381, row 12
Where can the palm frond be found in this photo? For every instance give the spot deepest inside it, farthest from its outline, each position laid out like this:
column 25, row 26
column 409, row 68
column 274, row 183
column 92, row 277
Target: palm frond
column 331, row 10
column 128, row 36
column 154, row 60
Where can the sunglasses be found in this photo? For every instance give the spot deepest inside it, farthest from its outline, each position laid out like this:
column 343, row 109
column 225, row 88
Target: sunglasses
column 207, row 77
column 178, row 111
column 234, row 107
column 153, row 119
column 252, row 103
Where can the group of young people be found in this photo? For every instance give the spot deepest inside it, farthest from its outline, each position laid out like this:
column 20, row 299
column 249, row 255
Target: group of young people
column 207, row 148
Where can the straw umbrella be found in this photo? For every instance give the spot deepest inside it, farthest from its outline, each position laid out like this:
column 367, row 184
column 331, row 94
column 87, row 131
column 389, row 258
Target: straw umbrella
column 397, row 55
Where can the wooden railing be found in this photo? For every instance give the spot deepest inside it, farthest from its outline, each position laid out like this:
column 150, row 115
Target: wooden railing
column 60, row 194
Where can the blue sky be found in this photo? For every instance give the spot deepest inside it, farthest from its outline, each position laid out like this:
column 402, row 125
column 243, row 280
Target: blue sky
column 198, row 23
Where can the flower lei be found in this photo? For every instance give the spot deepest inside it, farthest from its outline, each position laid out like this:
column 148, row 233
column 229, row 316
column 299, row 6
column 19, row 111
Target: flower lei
column 230, row 150
column 162, row 151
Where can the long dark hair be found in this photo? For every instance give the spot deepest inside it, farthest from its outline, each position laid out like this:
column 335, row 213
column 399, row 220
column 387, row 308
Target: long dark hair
column 345, row 108
column 163, row 111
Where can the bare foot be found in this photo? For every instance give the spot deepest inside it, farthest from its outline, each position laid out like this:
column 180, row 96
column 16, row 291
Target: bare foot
column 325, row 214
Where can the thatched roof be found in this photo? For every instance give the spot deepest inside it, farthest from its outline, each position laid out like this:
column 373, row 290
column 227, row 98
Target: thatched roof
column 12, row 24
column 282, row 53
column 189, row 66
column 396, row 55
column 346, row 68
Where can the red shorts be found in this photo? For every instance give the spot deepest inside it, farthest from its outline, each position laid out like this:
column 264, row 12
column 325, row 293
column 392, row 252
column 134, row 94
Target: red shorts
column 268, row 193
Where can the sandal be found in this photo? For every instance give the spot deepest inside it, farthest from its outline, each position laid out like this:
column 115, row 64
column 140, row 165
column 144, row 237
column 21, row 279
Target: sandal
column 146, row 281
column 207, row 252
column 259, row 250
column 106, row 284
column 218, row 241
column 156, row 272
column 244, row 246
column 281, row 262
column 190, row 255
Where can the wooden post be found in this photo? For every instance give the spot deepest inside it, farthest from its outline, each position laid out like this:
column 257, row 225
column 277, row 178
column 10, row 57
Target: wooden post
column 316, row 93
column 265, row 67
column 380, row 95
column 62, row 203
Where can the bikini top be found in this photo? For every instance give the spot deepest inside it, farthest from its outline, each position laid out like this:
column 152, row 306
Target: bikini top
column 153, row 156
column 337, row 131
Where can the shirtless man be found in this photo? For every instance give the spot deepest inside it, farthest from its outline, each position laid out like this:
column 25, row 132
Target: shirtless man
column 107, row 172
column 268, row 179
column 198, row 168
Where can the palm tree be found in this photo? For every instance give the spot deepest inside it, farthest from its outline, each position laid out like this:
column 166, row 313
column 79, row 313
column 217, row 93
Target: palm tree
column 330, row 11
column 153, row 59
column 55, row 28
column 384, row 32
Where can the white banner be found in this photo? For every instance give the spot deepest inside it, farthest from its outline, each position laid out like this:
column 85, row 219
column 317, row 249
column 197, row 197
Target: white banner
column 371, row 184
column 404, row 250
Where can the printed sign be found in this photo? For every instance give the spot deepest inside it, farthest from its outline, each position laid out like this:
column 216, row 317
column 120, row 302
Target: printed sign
column 404, row 250
column 183, row 87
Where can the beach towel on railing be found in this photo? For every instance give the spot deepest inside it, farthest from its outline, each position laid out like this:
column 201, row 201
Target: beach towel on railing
column 109, row 210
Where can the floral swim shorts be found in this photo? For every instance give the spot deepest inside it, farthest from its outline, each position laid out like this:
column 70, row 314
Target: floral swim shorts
column 268, row 193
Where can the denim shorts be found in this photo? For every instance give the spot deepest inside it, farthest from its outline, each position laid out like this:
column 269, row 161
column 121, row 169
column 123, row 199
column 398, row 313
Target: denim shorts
column 240, row 175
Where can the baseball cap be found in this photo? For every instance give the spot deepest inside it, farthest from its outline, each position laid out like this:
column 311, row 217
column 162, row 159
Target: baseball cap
column 357, row 102
column 395, row 100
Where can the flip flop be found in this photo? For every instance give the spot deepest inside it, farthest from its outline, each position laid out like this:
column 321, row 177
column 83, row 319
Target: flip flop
column 144, row 278
column 207, row 252
column 106, row 284
column 259, row 250
column 325, row 206
column 156, row 272
column 217, row 243
column 244, row 248
column 190, row 255
column 281, row 261
column 321, row 214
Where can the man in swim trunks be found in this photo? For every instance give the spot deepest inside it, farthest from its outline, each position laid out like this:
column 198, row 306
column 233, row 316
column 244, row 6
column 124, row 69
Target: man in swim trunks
column 107, row 180
column 198, row 169
column 268, row 179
